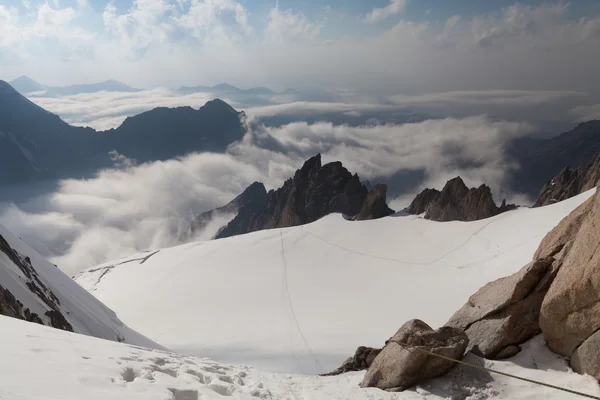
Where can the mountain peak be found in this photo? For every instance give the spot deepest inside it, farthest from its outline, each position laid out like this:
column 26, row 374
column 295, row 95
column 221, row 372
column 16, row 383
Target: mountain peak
column 25, row 84
column 217, row 105
column 226, row 87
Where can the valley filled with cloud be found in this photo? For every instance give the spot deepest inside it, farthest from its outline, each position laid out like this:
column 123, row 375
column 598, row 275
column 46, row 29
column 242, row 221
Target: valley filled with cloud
column 407, row 90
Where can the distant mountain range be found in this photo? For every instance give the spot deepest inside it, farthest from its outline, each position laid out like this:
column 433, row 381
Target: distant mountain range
column 225, row 88
column 36, row 144
column 27, row 86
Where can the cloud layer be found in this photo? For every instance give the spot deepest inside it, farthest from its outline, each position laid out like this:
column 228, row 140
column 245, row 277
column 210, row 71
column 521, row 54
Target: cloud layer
column 136, row 208
column 171, row 43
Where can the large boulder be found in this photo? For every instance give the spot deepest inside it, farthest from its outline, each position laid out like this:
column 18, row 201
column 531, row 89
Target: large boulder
column 361, row 360
column 570, row 312
column 505, row 313
column 375, row 205
column 456, row 202
column 405, row 361
column 568, row 183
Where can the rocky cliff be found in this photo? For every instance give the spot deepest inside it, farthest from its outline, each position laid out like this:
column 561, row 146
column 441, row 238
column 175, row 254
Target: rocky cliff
column 569, row 182
column 314, row 191
column 456, row 202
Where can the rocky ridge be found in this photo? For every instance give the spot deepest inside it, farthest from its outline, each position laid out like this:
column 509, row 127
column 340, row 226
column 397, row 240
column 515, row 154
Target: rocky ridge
column 569, row 182
column 456, row 202
column 314, row 191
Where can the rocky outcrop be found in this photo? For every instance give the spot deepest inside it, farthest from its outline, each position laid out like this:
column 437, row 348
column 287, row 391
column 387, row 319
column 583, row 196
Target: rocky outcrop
column 12, row 307
column 251, row 201
column 456, row 202
column 315, row 191
column 505, row 313
column 405, row 361
column 375, row 205
column 568, row 183
column 361, row 360
column 570, row 312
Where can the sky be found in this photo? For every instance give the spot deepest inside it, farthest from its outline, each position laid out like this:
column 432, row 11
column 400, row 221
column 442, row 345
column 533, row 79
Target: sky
column 406, row 46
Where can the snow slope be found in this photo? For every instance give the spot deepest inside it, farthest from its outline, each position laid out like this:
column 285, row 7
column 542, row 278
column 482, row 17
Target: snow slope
column 302, row 299
column 82, row 311
column 44, row 363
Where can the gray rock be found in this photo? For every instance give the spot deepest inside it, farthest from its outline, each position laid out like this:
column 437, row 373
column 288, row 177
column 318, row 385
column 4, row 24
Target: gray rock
column 586, row 359
column 456, row 202
column 505, row 312
column 375, row 205
column 568, row 183
column 361, row 360
column 405, row 361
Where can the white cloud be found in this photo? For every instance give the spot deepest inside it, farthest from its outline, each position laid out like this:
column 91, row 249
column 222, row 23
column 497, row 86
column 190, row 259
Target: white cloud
column 142, row 25
column 50, row 22
column 205, row 21
column 586, row 113
column 286, row 26
column 520, row 47
column 136, row 208
column 488, row 97
column 379, row 14
column 105, row 110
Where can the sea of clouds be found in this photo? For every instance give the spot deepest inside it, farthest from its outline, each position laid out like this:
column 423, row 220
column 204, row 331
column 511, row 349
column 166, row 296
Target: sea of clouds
column 131, row 207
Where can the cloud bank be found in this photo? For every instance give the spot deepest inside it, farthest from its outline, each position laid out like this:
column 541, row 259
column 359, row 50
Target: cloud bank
column 139, row 207
column 169, row 43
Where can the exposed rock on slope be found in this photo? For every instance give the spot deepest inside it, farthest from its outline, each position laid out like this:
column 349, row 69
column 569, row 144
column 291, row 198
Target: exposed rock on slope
column 568, row 183
column 505, row 313
column 315, row 191
column 401, row 364
column 375, row 205
column 541, row 159
column 34, row 290
column 361, row 360
column 456, row 202
column 251, row 201
column 570, row 312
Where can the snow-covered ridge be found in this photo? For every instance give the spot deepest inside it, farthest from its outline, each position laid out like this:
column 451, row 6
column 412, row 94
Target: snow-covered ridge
column 35, row 290
column 302, row 299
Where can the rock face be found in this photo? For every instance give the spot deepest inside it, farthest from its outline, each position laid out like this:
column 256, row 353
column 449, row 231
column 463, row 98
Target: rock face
column 250, row 202
column 397, row 367
column 456, row 202
column 315, row 191
column 361, row 360
column 34, row 290
column 505, row 313
column 540, row 159
column 375, row 205
column 11, row 307
column 568, row 183
column 570, row 312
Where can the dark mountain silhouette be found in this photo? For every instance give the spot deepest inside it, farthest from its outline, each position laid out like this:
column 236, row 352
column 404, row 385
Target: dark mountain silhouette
column 36, row 144
column 541, row 159
column 164, row 133
column 25, row 85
